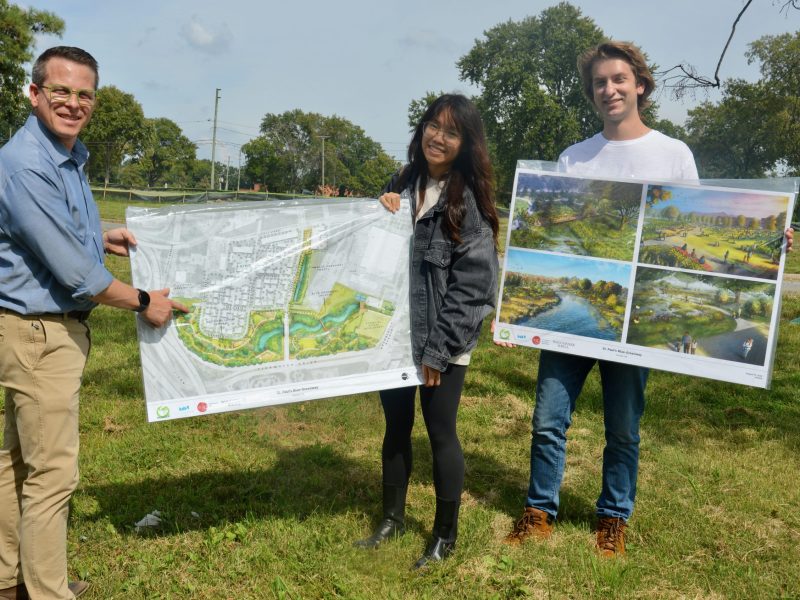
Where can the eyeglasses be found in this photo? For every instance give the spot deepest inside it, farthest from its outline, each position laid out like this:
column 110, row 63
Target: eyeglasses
column 432, row 128
column 60, row 94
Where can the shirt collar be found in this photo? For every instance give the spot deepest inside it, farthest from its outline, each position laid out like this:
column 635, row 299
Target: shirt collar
column 54, row 147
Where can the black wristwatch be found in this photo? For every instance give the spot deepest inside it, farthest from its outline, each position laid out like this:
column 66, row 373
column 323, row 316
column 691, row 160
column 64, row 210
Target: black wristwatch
column 144, row 301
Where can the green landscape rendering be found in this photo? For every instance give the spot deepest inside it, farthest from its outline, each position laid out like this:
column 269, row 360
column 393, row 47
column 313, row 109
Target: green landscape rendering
column 565, row 294
column 588, row 217
column 720, row 231
column 704, row 315
column 347, row 321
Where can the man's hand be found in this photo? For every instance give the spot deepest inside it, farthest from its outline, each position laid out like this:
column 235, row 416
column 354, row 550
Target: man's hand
column 500, row 343
column 430, row 376
column 789, row 233
column 159, row 311
column 118, row 241
column 390, row 201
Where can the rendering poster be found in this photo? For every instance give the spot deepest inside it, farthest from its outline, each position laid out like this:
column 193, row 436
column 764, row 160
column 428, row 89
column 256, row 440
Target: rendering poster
column 290, row 301
column 674, row 276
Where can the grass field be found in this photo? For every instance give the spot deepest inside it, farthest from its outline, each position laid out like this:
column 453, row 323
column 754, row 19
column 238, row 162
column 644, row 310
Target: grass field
column 266, row 503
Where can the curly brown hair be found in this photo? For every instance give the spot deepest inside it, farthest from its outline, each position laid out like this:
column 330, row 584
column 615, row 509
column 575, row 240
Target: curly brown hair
column 623, row 51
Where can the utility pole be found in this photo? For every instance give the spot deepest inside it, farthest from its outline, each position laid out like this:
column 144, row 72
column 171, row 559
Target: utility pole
column 214, row 140
column 239, row 173
column 324, row 137
column 227, row 170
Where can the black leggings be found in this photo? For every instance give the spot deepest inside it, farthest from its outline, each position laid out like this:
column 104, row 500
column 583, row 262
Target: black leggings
column 439, row 409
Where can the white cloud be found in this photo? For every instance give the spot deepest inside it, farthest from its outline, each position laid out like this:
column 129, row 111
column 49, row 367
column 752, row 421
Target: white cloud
column 432, row 41
column 200, row 37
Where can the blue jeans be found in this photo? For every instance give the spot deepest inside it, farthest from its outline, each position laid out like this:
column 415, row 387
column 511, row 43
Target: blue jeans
column 561, row 377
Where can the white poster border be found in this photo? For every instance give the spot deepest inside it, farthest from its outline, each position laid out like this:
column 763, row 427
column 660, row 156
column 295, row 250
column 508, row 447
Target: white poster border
column 620, row 351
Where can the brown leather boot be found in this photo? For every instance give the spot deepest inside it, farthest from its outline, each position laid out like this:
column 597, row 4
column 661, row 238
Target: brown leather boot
column 611, row 536
column 18, row 592
column 534, row 524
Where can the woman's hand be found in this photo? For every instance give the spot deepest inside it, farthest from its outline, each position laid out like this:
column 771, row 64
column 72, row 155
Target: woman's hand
column 500, row 343
column 390, row 201
column 430, row 376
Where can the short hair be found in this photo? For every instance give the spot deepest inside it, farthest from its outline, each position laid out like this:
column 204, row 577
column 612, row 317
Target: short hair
column 72, row 53
column 623, row 51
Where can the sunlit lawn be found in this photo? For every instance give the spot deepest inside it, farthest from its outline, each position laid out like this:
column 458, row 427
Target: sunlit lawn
column 266, row 503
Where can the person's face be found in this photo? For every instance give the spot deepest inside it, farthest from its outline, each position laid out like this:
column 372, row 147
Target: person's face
column 615, row 91
column 65, row 117
column 441, row 143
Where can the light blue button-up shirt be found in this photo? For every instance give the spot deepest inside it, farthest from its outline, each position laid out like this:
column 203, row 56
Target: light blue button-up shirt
column 51, row 242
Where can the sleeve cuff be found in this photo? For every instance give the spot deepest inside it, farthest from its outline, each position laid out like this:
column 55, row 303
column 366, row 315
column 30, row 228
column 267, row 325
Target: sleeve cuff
column 96, row 281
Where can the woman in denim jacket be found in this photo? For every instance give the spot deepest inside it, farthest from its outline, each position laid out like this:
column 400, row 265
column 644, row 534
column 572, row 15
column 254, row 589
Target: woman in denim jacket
column 453, row 286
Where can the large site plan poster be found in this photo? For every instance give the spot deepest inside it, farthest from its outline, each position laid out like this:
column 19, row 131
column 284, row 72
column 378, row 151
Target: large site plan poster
column 674, row 276
column 289, row 301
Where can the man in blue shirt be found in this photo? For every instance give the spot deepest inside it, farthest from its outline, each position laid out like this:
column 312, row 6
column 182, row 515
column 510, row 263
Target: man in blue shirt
column 51, row 276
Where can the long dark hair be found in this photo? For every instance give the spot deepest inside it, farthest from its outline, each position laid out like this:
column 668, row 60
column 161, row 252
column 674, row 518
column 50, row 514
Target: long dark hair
column 471, row 167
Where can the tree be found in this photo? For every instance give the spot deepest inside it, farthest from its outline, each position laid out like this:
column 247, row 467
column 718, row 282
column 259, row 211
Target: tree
column 531, row 96
column 780, row 70
column 18, row 28
column 734, row 138
column 287, row 156
column 672, row 213
column 417, row 108
column 116, row 131
column 165, row 156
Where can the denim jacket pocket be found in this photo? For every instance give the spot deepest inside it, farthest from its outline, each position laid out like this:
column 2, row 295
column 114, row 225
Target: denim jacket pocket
column 439, row 254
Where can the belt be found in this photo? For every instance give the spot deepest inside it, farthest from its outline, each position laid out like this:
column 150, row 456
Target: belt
column 78, row 315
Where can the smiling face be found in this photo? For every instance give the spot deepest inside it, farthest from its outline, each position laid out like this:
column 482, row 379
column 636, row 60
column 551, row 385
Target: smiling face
column 441, row 143
column 615, row 91
column 64, row 119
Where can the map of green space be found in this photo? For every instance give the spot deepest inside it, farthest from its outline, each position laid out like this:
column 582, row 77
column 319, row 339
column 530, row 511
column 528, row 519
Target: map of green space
column 346, row 322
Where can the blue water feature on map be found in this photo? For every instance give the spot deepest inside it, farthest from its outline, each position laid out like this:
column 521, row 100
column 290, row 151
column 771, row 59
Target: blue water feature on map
column 341, row 318
column 264, row 338
column 327, row 319
column 573, row 315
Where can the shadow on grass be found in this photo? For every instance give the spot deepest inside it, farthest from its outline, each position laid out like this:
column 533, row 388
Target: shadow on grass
column 303, row 482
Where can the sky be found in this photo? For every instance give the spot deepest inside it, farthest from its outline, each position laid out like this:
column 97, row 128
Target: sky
column 364, row 61
column 751, row 204
column 556, row 265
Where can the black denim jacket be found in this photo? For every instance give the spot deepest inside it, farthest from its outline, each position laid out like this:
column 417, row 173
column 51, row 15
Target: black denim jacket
column 452, row 286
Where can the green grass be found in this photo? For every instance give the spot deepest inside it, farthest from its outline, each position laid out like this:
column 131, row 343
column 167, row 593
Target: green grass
column 280, row 493
column 793, row 261
column 114, row 210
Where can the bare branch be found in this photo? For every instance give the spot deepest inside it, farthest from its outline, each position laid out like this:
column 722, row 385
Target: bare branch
column 683, row 79
column 790, row 4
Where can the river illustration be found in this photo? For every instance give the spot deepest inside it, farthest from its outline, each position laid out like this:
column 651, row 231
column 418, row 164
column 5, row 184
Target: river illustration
column 573, row 315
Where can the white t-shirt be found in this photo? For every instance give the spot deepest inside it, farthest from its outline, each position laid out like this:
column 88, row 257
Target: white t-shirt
column 651, row 156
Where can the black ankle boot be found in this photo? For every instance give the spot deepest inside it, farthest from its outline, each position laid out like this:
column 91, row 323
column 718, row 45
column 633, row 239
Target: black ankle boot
column 393, row 523
column 445, row 531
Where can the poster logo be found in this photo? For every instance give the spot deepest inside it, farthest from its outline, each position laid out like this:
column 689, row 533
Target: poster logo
column 505, row 334
column 162, row 412
column 202, row 407
column 404, row 376
column 536, row 340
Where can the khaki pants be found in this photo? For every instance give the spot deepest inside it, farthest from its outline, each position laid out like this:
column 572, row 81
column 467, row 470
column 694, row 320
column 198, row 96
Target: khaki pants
column 41, row 363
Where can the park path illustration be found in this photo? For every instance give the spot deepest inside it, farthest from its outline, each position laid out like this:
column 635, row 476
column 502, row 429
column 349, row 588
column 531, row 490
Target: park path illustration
column 728, row 346
column 736, row 266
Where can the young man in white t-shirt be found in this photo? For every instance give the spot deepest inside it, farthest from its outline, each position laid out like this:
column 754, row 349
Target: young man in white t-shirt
column 617, row 81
